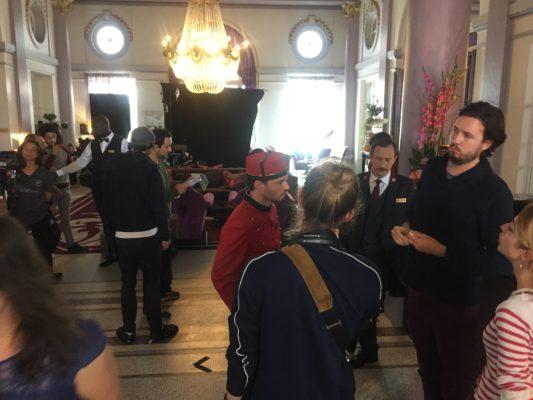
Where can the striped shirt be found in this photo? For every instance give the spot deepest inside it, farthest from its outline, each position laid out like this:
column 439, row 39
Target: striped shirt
column 508, row 341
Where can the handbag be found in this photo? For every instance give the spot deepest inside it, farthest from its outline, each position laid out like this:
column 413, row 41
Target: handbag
column 320, row 293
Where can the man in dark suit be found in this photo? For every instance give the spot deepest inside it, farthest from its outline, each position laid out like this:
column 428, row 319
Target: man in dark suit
column 386, row 198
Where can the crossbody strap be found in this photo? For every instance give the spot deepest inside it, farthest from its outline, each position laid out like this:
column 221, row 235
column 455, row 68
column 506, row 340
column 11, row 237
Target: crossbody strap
column 319, row 292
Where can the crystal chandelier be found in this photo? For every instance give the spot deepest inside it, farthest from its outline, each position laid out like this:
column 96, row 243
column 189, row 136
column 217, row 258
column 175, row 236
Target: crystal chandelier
column 204, row 57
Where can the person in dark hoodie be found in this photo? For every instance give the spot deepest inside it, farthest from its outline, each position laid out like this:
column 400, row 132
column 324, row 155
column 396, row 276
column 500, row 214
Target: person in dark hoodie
column 453, row 237
column 280, row 347
column 135, row 198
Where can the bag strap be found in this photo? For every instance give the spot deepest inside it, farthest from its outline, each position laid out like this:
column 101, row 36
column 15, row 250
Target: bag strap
column 319, row 292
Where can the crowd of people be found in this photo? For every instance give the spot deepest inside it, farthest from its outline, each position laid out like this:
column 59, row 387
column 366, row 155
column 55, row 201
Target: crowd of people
column 303, row 305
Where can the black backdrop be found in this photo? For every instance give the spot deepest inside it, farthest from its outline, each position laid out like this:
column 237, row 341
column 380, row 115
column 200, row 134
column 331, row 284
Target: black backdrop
column 116, row 107
column 216, row 128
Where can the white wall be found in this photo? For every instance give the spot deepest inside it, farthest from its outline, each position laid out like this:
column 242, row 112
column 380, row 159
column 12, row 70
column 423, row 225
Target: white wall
column 517, row 154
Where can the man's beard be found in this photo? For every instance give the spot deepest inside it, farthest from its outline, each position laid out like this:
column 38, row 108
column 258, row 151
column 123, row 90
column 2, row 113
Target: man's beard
column 463, row 158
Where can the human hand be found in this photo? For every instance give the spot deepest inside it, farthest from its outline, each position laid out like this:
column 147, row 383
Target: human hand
column 400, row 235
column 53, row 209
column 165, row 244
column 426, row 244
column 56, row 150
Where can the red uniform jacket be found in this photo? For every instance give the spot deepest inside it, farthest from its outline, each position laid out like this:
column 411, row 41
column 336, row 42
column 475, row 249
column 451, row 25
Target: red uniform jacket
column 251, row 230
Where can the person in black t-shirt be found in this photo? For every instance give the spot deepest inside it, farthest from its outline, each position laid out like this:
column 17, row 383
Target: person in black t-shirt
column 32, row 191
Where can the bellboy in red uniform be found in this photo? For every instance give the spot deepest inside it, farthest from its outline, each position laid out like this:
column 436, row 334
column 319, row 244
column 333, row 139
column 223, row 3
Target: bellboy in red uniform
column 252, row 228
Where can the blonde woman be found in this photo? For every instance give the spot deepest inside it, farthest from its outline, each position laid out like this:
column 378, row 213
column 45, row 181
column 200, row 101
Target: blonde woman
column 508, row 338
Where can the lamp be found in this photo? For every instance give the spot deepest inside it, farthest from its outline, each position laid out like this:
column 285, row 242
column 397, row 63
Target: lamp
column 204, row 57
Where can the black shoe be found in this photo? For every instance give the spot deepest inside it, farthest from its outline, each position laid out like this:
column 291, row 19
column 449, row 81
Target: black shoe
column 57, row 276
column 167, row 333
column 76, row 248
column 169, row 296
column 165, row 315
column 362, row 358
column 125, row 336
column 108, row 261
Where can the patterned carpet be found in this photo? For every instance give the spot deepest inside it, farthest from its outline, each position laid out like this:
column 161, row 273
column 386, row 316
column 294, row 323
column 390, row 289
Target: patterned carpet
column 85, row 223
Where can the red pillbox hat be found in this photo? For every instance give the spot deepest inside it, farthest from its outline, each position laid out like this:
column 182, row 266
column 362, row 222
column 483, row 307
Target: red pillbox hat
column 266, row 164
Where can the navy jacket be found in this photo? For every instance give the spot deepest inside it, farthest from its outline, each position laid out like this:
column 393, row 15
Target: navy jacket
column 279, row 346
column 135, row 195
column 464, row 214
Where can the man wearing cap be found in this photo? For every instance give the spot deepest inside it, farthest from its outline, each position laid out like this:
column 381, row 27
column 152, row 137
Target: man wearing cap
column 104, row 146
column 135, row 197
column 253, row 228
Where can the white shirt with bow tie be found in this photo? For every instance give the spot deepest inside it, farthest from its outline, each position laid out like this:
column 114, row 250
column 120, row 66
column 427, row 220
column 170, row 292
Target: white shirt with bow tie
column 87, row 155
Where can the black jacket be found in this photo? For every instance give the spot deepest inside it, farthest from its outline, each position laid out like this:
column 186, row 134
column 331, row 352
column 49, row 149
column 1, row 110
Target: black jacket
column 398, row 198
column 279, row 346
column 134, row 194
column 464, row 214
column 399, row 195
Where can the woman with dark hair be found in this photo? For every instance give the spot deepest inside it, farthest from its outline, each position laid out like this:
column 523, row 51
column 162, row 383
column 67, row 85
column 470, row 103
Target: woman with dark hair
column 32, row 198
column 44, row 353
column 281, row 345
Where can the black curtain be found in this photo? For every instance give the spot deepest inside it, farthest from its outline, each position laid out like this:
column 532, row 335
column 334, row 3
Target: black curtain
column 216, row 128
column 116, row 107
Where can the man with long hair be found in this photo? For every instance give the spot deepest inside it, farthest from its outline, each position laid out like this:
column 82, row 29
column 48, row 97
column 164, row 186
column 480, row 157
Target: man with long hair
column 453, row 233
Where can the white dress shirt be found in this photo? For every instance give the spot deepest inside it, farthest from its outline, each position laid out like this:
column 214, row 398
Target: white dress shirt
column 86, row 157
column 382, row 186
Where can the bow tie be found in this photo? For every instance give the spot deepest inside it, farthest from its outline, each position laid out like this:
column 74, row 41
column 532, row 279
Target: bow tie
column 103, row 140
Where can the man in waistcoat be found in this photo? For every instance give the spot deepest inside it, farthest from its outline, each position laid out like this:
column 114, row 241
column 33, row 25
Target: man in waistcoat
column 105, row 145
column 387, row 198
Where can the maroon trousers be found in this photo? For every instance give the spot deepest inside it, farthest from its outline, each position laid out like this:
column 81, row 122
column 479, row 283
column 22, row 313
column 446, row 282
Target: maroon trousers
column 445, row 337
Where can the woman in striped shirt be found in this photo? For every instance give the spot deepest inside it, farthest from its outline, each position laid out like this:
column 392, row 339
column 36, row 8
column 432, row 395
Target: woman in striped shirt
column 508, row 338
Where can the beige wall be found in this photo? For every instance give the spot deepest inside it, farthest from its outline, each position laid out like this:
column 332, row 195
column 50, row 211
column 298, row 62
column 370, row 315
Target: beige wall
column 41, row 65
column 517, row 152
column 266, row 28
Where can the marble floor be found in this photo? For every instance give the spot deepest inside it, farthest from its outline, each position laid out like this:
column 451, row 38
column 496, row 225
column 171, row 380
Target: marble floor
column 167, row 371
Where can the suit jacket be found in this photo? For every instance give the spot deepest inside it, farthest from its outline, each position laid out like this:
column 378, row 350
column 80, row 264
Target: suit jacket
column 399, row 196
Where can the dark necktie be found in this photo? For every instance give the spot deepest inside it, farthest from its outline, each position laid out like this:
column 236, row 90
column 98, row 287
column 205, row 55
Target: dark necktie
column 103, row 140
column 375, row 192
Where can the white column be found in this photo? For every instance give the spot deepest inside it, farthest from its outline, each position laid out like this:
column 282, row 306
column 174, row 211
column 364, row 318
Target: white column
column 351, row 12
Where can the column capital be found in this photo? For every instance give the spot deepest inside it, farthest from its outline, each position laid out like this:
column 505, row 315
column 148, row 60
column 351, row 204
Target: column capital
column 351, row 8
column 64, row 6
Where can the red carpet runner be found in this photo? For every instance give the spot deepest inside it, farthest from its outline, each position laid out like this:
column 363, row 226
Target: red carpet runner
column 85, row 223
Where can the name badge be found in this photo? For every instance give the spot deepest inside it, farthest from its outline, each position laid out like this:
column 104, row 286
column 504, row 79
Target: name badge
column 401, row 200
column 113, row 151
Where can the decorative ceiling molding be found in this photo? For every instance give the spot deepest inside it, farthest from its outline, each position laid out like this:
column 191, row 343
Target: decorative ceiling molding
column 333, row 4
column 106, row 15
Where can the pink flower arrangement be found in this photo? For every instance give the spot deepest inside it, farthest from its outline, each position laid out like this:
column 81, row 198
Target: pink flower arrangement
column 438, row 102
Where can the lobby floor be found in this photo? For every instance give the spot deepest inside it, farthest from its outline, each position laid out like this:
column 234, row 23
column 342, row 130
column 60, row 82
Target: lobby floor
column 166, row 371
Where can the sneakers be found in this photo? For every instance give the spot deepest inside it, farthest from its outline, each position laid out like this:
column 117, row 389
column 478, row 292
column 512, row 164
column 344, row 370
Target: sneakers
column 167, row 333
column 169, row 296
column 125, row 336
column 75, row 248
column 363, row 358
column 108, row 261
